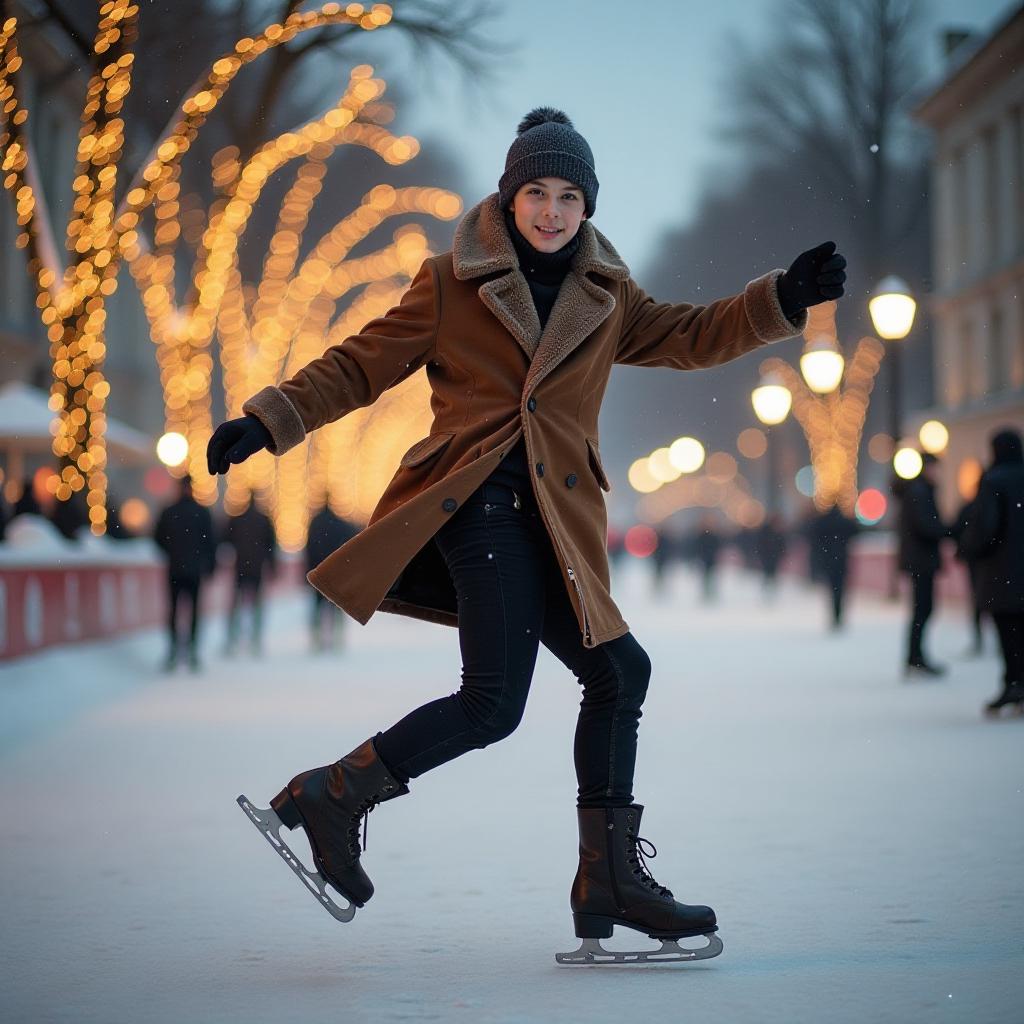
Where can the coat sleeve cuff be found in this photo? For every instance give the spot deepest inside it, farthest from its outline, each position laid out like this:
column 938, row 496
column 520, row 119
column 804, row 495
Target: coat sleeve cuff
column 273, row 409
column 761, row 302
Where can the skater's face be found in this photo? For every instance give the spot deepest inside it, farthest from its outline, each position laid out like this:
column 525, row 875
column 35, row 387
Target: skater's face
column 548, row 212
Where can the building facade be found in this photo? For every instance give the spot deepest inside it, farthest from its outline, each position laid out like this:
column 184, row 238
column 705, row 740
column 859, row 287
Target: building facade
column 977, row 116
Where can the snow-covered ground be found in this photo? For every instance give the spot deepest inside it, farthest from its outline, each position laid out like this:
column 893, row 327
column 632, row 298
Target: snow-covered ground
column 861, row 838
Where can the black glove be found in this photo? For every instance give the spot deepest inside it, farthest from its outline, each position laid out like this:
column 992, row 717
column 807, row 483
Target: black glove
column 234, row 441
column 816, row 276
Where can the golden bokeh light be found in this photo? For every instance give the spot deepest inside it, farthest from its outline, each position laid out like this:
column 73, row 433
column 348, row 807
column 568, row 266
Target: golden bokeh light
column 881, row 448
column 752, row 443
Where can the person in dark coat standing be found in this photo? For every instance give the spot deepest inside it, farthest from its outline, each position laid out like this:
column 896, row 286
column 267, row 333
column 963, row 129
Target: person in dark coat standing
column 327, row 532
column 184, row 532
column 995, row 538
column 921, row 531
column 251, row 534
column 706, row 545
column 770, row 544
column 970, row 563
column 829, row 536
column 662, row 557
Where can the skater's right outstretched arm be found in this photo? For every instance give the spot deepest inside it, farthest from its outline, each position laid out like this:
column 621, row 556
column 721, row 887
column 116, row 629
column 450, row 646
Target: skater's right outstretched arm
column 355, row 373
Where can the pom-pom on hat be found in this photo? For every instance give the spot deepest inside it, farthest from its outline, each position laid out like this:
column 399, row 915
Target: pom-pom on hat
column 548, row 147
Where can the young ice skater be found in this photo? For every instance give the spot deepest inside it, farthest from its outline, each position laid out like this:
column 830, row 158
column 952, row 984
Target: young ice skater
column 495, row 523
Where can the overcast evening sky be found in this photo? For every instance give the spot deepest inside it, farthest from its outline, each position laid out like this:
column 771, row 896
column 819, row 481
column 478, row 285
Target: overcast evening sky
column 599, row 60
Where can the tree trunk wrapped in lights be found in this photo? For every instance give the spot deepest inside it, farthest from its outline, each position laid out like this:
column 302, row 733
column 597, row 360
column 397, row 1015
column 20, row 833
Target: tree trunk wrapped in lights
column 72, row 300
column 833, row 423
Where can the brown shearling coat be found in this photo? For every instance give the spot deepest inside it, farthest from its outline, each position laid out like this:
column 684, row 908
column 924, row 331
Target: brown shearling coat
column 468, row 317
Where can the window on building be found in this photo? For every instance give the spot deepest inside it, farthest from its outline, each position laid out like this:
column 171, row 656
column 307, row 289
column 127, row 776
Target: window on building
column 992, row 228
column 959, row 241
column 971, row 357
column 998, row 363
column 1017, row 170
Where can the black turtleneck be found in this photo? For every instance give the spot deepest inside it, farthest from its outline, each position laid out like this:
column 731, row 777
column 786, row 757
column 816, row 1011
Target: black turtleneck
column 544, row 273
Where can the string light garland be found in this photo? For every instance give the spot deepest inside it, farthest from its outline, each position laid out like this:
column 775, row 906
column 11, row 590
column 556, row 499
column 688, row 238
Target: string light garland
column 72, row 300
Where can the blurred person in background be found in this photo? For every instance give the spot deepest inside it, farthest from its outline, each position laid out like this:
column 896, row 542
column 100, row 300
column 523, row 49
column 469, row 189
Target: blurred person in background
column 970, row 564
column 994, row 537
column 184, row 532
column 251, row 535
column 706, row 544
column 921, row 531
column 829, row 536
column 662, row 557
column 770, row 544
column 27, row 503
column 5, row 514
column 70, row 516
column 327, row 532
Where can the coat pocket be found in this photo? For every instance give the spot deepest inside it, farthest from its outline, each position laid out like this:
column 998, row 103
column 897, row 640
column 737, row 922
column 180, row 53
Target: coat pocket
column 426, row 449
column 595, row 465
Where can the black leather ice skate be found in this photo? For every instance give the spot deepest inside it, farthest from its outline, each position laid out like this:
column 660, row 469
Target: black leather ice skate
column 614, row 887
column 330, row 803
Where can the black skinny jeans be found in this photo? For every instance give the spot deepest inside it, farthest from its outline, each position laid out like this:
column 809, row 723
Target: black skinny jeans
column 511, row 599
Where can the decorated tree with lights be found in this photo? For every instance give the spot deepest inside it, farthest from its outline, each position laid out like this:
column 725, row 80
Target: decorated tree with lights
column 833, row 423
column 104, row 230
column 269, row 331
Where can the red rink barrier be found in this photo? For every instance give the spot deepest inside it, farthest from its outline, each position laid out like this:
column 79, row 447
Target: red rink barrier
column 45, row 605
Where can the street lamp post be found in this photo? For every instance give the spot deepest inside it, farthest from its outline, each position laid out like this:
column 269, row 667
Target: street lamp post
column 771, row 400
column 892, row 309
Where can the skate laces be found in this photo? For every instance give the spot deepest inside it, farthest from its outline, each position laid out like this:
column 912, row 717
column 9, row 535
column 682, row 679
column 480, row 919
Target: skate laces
column 636, row 857
column 353, row 830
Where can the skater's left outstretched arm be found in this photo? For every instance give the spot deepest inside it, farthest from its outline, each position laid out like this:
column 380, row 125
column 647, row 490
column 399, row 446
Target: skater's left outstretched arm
column 771, row 307
column 346, row 377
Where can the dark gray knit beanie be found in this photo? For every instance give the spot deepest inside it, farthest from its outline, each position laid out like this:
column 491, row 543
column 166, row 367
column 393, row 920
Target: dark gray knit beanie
column 548, row 147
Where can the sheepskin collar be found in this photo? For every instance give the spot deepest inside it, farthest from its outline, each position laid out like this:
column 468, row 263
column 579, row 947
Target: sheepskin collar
column 482, row 246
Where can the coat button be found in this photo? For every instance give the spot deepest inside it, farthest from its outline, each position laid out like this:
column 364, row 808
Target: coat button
column 449, row 504
column 540, row 469
column 531, row 404
column 572, row 480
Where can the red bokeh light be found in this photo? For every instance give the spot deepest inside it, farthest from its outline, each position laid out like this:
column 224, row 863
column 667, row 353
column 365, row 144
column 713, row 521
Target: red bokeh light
column 641, row 541
column 158, row 482
column 871, row 505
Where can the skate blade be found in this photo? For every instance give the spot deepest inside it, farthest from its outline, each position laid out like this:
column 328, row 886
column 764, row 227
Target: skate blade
column 270, row 825
column 591, row 953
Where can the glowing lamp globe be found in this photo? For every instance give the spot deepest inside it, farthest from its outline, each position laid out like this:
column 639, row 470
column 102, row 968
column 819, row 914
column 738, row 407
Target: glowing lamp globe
column 661, row 466
column 686, row 454
column 892, row 309
column 933, row 437
column 172, row 449
column 641, row 479
column 907, row 463
column 822, row 366
column 771, row 400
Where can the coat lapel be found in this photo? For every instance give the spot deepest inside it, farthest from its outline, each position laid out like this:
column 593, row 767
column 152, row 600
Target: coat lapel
column 581, row 307
column 508, row 298
column 482, row 247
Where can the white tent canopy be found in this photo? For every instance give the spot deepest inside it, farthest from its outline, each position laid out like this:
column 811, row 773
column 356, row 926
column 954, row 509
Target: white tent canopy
column 26, row 417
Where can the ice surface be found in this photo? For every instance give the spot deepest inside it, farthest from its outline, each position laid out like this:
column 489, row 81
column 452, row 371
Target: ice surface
column 860, row 837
